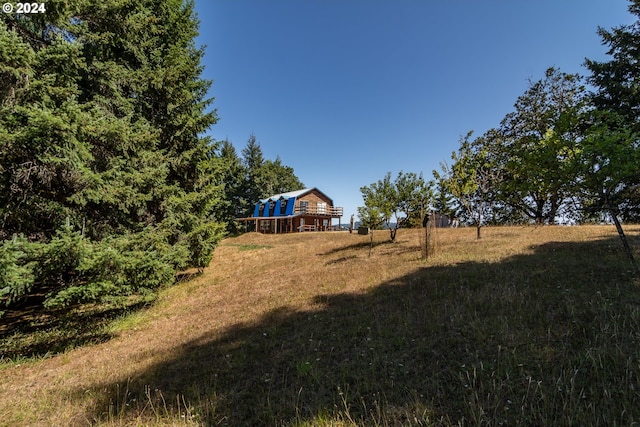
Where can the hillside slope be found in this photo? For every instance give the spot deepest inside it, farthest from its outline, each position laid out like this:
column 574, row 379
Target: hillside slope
column 527, row 325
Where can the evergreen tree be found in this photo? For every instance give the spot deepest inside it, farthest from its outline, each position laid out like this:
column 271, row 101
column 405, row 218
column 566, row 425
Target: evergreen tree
column 100, row 148
column 234, row 186
column 252, row 161
column 264, row 178
column 443, row 201
column 278, row 178
column 252, row 156
column 609, row 161
column 617, row 81
column 616, row 101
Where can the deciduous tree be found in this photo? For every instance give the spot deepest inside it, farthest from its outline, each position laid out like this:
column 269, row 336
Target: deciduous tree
column 396, row 202
column 470, row 179
column 536, row 146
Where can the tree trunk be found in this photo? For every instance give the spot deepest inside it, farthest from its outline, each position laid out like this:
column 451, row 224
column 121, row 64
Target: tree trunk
column 625, row 243
column 370, row 241
column 429, row 236
column 553, row 210
column 539, row 212
column 479, row 222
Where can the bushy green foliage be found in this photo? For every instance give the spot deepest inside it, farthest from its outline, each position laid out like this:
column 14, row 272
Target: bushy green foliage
column 564, row 152
column 610, row 160
column 249, row 178
column 264, row 177
column 533, row 149
column 16, row 270
column 103, row 170
column 76, row 269
column 402, row 200
column 472, row 179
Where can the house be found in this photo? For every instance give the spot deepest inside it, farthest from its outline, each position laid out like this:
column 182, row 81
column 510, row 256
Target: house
column 295, row 211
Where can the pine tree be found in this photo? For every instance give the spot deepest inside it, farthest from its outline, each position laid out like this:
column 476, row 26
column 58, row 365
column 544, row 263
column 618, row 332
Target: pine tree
column 234, row 184
column 264, row 178
column 609, row 161
column 100, row 140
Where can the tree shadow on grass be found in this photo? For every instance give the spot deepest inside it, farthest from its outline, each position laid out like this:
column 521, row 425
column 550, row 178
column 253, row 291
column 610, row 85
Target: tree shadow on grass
column 539, row 339
column 28, row 331
column 365, row 244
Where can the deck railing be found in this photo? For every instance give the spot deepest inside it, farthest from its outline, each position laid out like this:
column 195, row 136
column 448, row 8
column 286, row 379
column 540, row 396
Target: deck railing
column 319, row 210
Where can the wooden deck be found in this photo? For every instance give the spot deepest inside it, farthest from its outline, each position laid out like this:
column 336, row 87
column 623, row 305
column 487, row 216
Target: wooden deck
column 305, row 219
column 331, row 211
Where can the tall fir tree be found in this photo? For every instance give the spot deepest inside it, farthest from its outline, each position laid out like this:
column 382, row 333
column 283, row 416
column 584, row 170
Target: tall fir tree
column 234, row 186
column 100, row 140
column 264, row 178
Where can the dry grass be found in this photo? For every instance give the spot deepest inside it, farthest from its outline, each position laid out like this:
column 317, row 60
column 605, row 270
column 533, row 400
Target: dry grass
column 529, row 326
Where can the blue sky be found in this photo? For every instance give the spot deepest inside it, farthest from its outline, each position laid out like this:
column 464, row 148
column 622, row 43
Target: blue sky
column 345, row 91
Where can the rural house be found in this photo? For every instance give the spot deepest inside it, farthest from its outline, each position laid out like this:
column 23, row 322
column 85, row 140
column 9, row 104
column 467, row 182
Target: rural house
column 295, row 211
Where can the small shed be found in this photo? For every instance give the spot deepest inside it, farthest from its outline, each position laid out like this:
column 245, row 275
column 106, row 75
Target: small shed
column 442, row 221
column 439, row 220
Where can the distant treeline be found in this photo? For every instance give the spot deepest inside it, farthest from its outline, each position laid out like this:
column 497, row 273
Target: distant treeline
column 569, row 152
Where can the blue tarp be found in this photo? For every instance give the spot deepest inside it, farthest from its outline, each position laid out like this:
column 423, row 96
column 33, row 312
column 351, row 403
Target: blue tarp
column 275, row 208
column 290, row 204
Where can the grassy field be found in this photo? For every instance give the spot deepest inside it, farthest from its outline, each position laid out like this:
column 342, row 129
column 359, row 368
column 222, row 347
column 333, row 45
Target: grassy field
column 528, row 326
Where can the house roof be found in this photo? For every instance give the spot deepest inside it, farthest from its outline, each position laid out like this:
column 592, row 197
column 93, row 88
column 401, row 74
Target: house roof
column 297, row 193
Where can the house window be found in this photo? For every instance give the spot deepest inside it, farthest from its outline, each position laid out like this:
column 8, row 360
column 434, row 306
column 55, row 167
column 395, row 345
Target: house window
column 304, row 206
column 322, row 208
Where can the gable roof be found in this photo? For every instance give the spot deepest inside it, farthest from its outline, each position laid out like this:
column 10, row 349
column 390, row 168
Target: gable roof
column 297, row 193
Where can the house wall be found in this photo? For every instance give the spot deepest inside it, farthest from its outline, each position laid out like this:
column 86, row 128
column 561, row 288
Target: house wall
column 318, row 223
column 313, row 198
